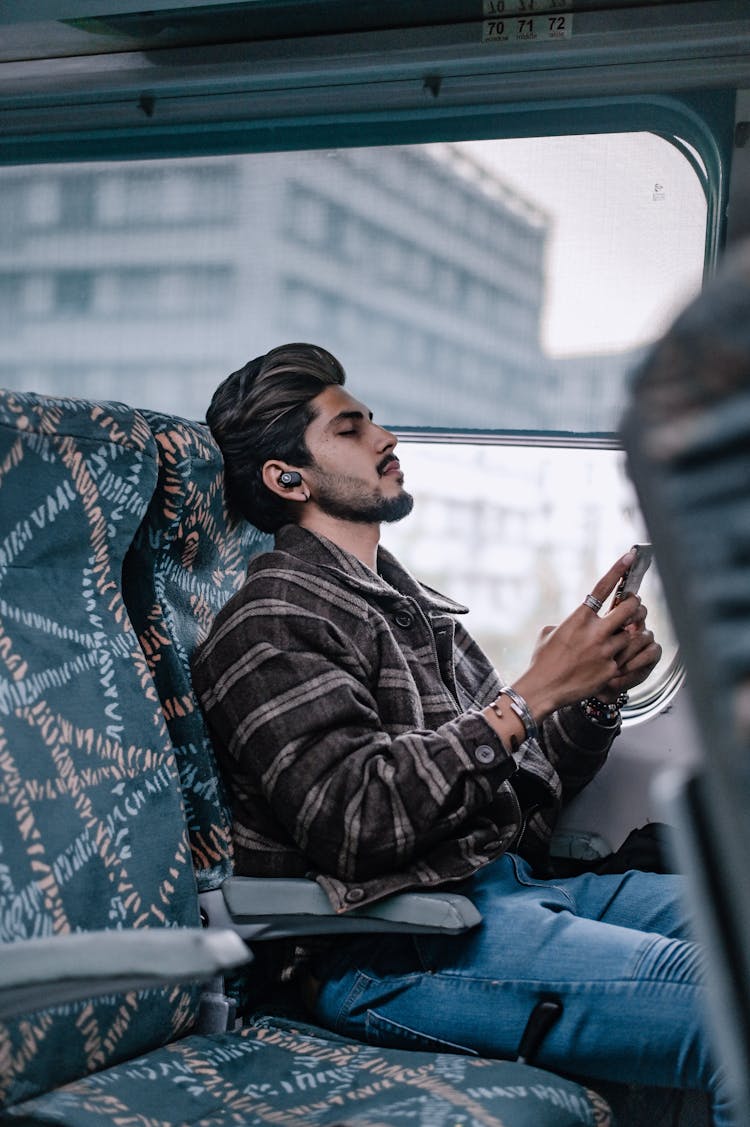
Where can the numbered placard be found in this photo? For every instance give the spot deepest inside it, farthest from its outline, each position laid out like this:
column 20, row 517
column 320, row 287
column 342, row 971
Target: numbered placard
column 527, row 29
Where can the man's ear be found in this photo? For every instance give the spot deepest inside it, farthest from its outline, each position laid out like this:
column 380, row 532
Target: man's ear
column 284, row 480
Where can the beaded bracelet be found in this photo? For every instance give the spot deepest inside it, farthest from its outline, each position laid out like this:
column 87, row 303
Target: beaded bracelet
column 521, row 709
column 604, row 712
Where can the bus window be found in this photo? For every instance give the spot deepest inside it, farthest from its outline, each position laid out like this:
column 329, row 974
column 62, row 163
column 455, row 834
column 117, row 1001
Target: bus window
column 499, row 285
column 503, row 288
column 519, row 535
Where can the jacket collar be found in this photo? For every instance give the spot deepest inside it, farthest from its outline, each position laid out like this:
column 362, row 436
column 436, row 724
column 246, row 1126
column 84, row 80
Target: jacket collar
column 390, row 579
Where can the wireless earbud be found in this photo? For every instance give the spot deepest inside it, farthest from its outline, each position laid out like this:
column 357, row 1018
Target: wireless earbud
column 290, row 479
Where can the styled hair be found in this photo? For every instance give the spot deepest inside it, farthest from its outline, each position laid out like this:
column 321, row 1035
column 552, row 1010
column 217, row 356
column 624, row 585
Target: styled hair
column 262, row 411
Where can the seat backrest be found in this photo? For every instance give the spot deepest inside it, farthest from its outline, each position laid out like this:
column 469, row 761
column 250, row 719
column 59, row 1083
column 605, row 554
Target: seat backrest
column 92, row 828
column 687, row 436
column 185, row 562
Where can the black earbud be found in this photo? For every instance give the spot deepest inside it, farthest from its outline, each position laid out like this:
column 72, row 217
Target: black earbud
column 290, row 479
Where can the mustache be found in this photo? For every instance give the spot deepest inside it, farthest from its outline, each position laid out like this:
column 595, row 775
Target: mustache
column 383, row 465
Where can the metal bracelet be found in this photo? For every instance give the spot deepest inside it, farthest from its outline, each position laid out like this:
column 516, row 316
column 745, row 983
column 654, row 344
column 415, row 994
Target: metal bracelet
column 521, row 709
column 496, row 709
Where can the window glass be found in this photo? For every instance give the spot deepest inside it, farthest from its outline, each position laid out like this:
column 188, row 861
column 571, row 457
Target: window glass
column 504, row 284
column 520, row 536
column 494, row 285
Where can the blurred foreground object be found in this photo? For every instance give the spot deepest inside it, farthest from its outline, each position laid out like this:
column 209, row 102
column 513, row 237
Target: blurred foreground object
column 687, row 438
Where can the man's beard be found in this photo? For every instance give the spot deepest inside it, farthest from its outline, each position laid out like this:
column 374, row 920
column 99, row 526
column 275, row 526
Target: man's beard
column 346, row 498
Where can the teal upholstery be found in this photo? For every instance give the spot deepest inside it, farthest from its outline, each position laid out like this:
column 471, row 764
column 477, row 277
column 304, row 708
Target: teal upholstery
column 89, row 794
column 276, row 1072
column 184, row 564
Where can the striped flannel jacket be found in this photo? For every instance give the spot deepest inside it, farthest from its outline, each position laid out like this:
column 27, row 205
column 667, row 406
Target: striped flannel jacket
column 344, row 709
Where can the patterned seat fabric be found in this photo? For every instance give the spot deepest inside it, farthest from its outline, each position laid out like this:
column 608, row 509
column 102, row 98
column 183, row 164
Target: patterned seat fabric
column 184, row 564
column 298, row 1077
column 89, row 794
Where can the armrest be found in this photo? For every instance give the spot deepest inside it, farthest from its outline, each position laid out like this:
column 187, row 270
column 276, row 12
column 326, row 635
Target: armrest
column 37, row 973
column 278, row 908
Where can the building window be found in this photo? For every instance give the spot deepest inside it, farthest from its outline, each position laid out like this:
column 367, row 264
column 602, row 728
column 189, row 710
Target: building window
column 74, row 291
column 77, row 195
column 10, row 297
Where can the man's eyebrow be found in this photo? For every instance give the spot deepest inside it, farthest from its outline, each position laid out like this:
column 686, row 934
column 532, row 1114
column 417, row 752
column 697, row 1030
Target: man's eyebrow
column 342, row 416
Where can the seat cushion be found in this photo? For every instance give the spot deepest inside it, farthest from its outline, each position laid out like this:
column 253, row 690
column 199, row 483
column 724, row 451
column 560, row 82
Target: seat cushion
column 300, row 1077
column 186, row 561
column 92, row 831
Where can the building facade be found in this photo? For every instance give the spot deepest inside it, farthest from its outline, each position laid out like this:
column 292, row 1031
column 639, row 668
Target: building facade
column 150, row 281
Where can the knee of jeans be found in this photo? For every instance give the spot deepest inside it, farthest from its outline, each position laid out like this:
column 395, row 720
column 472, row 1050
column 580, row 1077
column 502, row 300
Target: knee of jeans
column 678, row 961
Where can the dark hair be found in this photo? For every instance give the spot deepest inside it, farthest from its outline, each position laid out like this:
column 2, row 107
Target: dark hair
column 262, row 411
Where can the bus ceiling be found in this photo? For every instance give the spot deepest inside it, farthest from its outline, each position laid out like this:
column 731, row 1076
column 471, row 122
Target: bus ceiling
column 92, row 78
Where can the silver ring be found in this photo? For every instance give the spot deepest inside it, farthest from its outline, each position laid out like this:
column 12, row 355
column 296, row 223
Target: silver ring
column 593, row 602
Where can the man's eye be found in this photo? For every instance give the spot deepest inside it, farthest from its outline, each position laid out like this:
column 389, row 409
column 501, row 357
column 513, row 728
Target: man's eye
column 343, row 432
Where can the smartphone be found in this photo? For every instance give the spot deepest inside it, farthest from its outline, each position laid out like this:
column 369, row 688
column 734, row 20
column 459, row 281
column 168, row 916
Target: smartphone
column 633, row 577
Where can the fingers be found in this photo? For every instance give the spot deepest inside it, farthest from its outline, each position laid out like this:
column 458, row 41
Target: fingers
column 645, row 659
column 608, row 582
column 624, row 635
column 629, row 611
column 618, row 646
column 638, row 644
column 634, row 669
column 637, row 621
column 612, row 623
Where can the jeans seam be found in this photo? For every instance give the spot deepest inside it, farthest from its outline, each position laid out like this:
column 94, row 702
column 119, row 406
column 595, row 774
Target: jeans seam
column 540, row 884
column 354, row 992
column 418, row 1036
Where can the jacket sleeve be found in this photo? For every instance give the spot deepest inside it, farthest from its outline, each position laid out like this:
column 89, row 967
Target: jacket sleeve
column 576, row 746
column 289, row 698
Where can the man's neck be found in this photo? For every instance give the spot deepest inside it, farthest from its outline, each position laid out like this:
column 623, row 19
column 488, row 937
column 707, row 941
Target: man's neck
column 360, row 540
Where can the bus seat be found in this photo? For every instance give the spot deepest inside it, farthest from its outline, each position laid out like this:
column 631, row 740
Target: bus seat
column 291, row 1073
column 185, row 562
column 93, row 840
column 89, row 791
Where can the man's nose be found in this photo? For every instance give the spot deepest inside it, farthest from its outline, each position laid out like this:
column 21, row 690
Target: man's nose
column 385, row 439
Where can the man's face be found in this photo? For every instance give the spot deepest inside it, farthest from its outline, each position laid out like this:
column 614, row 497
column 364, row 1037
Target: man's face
column 355, row 475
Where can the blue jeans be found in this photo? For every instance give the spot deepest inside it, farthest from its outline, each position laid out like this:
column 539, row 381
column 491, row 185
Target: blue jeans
column 613, row 949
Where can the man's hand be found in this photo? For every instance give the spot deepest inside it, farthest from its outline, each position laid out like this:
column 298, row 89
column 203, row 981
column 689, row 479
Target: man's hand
column 590, row 654
column 637, row 660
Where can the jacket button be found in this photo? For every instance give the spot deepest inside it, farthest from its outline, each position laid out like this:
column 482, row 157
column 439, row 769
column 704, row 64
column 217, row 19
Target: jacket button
column 354, row 895
column 484, row 754
column 404, row 619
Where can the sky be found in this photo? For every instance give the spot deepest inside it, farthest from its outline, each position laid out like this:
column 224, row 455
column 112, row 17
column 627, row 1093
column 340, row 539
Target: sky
column 628, row 219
